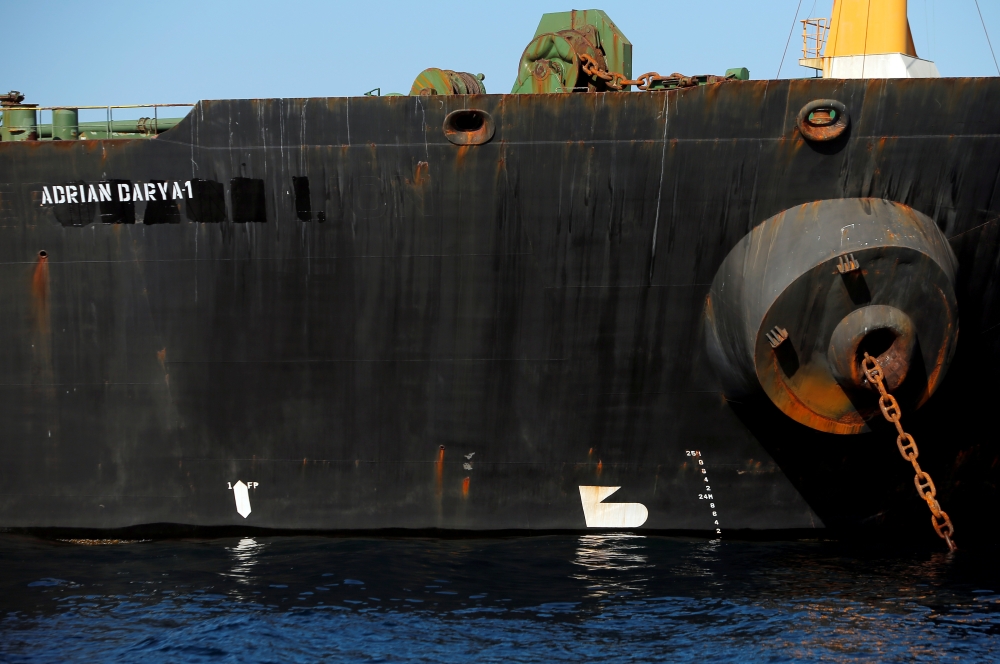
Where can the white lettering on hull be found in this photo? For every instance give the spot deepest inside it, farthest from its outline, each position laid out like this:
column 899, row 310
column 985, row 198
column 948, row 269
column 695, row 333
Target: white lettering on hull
column 167, row 190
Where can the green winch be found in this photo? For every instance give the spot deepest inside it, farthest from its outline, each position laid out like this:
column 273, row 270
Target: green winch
column 574, row 51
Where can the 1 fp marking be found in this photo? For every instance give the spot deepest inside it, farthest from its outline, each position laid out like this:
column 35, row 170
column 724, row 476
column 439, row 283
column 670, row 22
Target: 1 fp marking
column 242, row 496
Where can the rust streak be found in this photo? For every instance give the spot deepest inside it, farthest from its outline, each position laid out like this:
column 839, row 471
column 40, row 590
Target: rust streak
column 40, row 282
column 439, row 471
column 422, row 173
column 161, row 356
column 42, row 370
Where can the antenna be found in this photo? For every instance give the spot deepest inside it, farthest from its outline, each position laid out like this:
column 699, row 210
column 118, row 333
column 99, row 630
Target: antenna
column 987, row 37
column 789, row 40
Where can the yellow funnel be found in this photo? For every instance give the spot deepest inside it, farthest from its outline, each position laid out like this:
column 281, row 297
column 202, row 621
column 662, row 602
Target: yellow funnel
column 869, row 27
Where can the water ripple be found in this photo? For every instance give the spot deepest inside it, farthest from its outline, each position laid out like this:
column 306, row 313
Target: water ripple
column 608, row 597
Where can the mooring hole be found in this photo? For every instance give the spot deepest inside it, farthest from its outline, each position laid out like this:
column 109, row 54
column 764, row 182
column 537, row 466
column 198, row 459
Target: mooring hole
column 43, row 253
column 467, row 121
column 876, row 342
column 822, row 117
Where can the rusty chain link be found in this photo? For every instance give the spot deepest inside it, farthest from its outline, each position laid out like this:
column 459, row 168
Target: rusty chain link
column 616, row 81
column 591, row 68
column 908, row 448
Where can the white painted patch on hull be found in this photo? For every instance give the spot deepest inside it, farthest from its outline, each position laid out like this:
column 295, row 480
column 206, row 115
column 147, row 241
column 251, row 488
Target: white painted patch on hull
column 610, row 515
column 242, row 499
column 883, row 65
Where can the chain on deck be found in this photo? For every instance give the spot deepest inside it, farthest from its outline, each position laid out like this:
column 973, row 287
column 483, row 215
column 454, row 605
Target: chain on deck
column 616, row 81
column 908, row 448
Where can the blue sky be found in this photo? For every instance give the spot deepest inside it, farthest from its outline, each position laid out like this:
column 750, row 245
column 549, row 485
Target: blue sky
column 76, row 53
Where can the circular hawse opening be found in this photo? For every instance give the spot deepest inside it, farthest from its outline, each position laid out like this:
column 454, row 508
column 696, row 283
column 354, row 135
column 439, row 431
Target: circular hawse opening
column 468, row 126
column 468, row 121
column 43, row 253
column 875, row 343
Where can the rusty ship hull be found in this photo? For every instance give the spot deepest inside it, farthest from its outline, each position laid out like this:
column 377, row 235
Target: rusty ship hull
column 371, row 327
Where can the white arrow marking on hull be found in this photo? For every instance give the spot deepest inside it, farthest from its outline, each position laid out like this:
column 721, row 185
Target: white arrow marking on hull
column 243, row 499
column 610, row 515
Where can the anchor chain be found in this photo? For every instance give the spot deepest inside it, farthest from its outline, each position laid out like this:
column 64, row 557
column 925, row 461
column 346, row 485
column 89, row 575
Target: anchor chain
column 908, row 448
column 591, row 68
column 615, row 80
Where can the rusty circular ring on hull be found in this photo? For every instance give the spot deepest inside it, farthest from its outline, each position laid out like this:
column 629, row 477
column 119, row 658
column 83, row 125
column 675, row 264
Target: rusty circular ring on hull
column 822, row 120
column 811, row 390
column 834, row 278
column 885, row 332
column 468, row 126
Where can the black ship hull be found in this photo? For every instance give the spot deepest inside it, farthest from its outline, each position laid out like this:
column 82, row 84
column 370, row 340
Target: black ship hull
column 370, row 327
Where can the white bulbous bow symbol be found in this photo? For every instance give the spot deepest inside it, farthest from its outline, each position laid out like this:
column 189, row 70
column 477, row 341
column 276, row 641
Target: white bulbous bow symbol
column 610, row 515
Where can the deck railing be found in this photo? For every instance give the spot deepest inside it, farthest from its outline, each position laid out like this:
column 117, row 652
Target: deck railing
column 107, row 128
column 814, row 34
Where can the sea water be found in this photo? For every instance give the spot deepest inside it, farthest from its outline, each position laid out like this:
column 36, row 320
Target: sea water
column 601, row 598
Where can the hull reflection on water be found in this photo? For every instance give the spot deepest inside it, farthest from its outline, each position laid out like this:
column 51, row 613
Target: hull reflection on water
column 245, row 555
column 605, row 597
column 614, row 564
